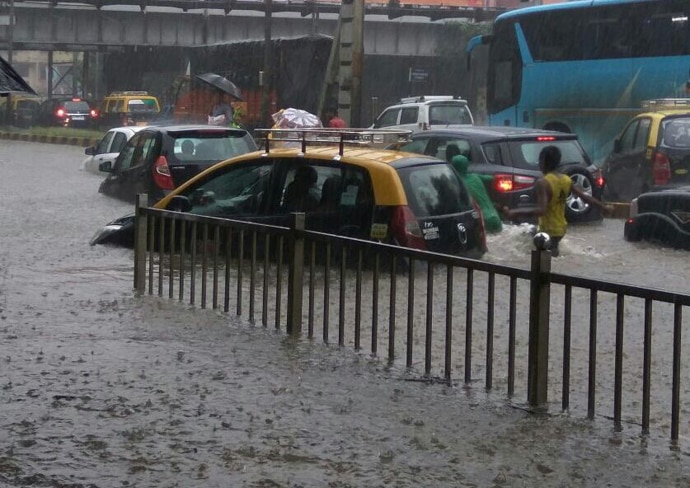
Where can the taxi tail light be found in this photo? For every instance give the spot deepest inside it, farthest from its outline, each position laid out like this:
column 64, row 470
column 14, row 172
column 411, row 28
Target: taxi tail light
column 504, row 183
column 161, row 174
column 405, row 228
column 661, row 169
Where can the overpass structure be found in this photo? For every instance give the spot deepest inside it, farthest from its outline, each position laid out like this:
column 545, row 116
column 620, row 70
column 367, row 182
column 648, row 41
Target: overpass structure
column 103, row 25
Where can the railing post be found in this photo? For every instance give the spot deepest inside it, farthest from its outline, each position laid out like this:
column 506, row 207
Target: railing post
column 295, row 275
column 140, row 239
column 540, row 299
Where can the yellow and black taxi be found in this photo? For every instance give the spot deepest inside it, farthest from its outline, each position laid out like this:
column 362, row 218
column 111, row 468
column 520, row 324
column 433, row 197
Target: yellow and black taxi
column 124, row 108
column 652, row 152
column 356, row 190
column 19, row 109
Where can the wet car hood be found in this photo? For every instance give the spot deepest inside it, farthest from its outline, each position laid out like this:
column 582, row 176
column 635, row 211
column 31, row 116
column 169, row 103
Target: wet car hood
column 118, row 232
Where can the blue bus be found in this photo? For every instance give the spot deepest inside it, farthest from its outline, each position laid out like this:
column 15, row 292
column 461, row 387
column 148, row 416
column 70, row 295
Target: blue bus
column 586, row 66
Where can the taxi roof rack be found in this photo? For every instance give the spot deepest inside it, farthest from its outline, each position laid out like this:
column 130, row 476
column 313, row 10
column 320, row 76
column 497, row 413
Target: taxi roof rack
column 666, row 103
column 329, row 136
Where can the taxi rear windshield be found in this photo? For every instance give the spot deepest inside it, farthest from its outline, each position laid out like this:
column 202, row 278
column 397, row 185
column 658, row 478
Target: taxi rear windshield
column 434, row 190
column 142, row 106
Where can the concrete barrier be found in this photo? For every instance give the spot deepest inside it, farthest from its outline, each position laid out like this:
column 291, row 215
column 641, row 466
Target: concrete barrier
column 65, row 140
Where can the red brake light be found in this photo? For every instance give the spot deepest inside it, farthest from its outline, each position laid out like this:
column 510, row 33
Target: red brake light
column 161, row 174
column 405, row 228
column 60, row 112
column 661, row 169
column 546, row 138
column 504, row 182
column 93, row 113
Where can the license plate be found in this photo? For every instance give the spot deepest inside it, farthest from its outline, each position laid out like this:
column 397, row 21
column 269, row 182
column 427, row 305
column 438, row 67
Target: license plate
column 77, row 117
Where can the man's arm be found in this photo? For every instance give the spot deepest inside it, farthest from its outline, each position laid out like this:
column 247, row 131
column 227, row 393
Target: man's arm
column 608, row 208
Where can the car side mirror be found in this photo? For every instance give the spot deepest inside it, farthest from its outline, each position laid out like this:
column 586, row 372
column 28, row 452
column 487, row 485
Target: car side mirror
column 179, row 203
column 106, row 167
column 617, row 146
column 90, row 151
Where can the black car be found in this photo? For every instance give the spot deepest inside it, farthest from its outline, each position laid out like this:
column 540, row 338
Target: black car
column 67, row 112
column 510, row 155
column 660, row 216
column 158, row 159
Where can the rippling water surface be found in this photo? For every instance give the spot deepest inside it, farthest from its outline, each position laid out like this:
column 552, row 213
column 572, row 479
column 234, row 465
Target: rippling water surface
column 100, row 388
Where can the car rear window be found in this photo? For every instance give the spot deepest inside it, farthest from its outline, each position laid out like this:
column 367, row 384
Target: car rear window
column 434, row 189
column 139, row 106
column 677, row 133
column 76, row 106
column 211, row 146
column 525, row 154
column 447, row 114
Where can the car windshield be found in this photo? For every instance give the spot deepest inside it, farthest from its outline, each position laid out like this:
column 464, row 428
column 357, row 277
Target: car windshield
column 447, row 114
column 525, row 154
column 212, row 146
column 433, row 190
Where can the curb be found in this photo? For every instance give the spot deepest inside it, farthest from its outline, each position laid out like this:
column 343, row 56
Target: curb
column 65, row 140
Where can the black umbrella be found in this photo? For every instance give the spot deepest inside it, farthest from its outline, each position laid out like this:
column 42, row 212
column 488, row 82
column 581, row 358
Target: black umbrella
column 222, row 83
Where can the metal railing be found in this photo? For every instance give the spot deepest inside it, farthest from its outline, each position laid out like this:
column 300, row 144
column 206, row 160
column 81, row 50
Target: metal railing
column 615, row 347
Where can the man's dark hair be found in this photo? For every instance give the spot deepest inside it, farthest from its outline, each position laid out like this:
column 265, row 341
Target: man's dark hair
column 550, row 158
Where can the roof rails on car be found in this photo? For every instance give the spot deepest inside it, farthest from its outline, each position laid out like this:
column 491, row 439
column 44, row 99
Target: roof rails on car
column 126, row 93
column 330, row 137
column 430, row 98
column 666, row 103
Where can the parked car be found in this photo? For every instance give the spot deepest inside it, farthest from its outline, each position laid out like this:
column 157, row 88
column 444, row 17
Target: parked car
column 652, row 152
column 424, row 113
column 22, row 109
column 67, row 112
column 660, row 216
column 107, row 149
column 157, row 159
column 125, row 108
column 511, row 156
column 389, row 196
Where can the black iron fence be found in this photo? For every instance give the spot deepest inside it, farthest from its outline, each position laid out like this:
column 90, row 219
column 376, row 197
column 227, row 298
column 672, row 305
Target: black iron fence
column 601, row 347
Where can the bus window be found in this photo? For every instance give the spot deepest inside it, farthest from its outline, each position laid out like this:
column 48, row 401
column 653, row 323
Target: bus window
column 505, row 75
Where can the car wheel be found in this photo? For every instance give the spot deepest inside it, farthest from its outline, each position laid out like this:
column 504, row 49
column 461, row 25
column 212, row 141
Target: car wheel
column 576, row 209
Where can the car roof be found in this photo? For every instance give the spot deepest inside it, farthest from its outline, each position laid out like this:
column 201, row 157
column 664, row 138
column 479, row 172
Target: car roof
column 660, row 114
column 494, row 132
column 172, row 128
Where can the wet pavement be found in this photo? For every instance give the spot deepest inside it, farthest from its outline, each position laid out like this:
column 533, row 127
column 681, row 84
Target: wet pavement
column 101, row 388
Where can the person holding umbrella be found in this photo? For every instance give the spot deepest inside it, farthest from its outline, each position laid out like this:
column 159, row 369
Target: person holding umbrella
column 222, row 112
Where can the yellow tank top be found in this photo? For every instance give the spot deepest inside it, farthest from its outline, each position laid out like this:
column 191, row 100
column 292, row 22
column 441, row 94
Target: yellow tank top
column 553, row 221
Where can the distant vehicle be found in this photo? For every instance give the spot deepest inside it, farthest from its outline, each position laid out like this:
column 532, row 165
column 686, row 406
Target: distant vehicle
column 662, row 217
column 389, row 196
column 652, row 152
column 585, row 66
column 424, row 113
column 510, row 155
column 67, row 112
column 107, row 149
column 22, row 109
column 157, row 159
column 125, row 108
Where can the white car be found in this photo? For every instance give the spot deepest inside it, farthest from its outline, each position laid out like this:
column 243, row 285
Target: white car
column 425, row 113
column 108, row 148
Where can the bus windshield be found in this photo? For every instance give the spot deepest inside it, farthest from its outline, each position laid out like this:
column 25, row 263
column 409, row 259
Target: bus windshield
column 586, row 66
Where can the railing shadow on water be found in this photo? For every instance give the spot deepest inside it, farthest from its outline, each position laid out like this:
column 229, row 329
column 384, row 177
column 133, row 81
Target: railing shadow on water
column 604, row 348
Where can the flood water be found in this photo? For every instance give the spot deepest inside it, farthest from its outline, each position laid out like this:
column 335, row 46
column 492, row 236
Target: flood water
column 100, row 388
